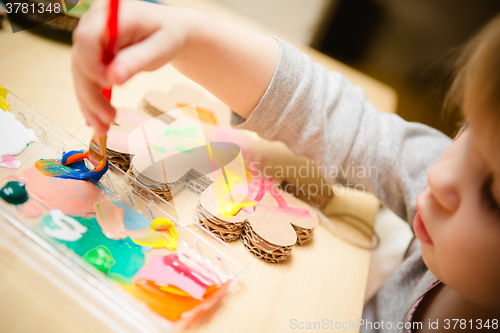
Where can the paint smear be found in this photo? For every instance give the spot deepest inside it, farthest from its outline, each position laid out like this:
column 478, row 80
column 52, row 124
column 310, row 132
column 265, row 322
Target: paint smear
column 161, row 234
column 170, row 305
column 3, row 99
column 186, row 138
column 127, row 255
column 228, row 134
column 72, row 166
column 265, row 185
column 9, row 162
column 205, row 267
column 167, row 227
column 203, row 114
column 14, row 137
column 30, row 208
column 159, row 149
column 228, row 204
column 169, row 270
column 150, row 238
column 64, row 227
column 72, row 197
column 110, row 219
column 132, row 220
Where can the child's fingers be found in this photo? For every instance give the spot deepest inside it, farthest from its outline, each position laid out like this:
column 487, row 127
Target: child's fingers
column 146, row 55
column 95, row 106
column 94, row 121
column 87, row 48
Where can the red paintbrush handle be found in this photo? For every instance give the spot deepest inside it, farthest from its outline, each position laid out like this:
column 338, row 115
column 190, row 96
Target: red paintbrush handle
column 109, row 51
column 107, row 93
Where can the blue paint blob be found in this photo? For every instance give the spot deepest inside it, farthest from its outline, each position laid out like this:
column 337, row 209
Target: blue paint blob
column 76, row 170
column 132, row 220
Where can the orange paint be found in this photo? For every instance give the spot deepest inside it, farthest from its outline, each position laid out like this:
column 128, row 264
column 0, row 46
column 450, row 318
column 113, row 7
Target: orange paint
column 203, row 115
column 168, row 304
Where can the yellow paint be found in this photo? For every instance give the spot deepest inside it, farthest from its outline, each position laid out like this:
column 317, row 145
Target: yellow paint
column 174, row 290
column 3, row 99
column 161, row 234
column 222, row 187
column 166, row 226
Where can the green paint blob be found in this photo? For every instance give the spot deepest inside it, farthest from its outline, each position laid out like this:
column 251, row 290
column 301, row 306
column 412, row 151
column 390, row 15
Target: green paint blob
column 14, row 193
column 159, row 149
column 185, row 137
column 127, row 255
column 189, row 131
column 100, row 258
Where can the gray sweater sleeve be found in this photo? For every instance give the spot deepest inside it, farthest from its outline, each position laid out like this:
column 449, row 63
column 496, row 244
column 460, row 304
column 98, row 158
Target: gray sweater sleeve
column 321, row 115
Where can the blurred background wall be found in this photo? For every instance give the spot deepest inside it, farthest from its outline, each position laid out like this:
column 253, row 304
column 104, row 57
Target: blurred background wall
column 407, row 44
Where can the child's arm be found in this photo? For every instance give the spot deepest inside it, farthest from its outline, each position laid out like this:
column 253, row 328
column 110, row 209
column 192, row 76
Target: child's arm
column 317, row 113
column 320, row 114
column 233, row 63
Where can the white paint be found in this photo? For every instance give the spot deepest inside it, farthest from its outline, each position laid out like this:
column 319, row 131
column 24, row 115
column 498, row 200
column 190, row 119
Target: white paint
column 14, row 137
column 68, row 229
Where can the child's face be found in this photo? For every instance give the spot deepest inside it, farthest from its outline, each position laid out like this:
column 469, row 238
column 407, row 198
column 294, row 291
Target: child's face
column 460, row 213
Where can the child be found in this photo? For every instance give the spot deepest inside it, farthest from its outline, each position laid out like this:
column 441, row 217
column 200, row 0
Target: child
column 447, row 191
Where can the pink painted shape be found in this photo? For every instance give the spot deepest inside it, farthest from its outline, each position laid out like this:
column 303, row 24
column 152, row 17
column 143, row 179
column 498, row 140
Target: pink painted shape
column 258, row 188
column 165, row 270
column 8, row 161
column 110, row 219
column 72, row 197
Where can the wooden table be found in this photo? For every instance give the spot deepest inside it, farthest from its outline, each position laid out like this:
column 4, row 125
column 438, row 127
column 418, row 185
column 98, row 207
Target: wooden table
column 322, row 280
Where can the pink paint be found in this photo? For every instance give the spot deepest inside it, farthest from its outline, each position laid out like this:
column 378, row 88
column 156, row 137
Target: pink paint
column 110, row 219
column 30, row 208
column 165, row 270
column 228, row 134
column 257, row 190
column 72, row 197
column 206, row 267
column 133, row 118
column 8, row 161
column 126, row 143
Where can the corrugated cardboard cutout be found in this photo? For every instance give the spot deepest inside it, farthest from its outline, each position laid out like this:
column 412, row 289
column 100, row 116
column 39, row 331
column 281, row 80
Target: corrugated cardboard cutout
column 269, row 229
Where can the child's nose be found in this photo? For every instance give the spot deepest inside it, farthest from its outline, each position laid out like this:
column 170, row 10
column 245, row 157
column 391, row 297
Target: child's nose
column 443, row 183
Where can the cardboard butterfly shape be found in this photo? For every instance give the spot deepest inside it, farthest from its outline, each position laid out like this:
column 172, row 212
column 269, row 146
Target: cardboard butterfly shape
column 157, row 103
column 268, row 221
column 170, row 152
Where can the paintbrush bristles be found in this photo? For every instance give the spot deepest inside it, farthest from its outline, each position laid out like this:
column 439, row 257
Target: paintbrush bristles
column 97, row 149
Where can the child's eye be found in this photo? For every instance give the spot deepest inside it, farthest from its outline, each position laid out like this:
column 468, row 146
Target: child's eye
column 487, row 196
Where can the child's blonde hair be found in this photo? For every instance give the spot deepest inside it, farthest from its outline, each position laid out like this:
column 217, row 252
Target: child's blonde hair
column 479, row 65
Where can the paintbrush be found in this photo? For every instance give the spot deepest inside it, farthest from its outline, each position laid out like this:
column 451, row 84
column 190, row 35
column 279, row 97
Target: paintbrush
column 97, row 146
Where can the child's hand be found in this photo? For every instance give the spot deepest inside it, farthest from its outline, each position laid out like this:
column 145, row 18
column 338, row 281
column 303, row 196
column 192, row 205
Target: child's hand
column 149, row 36
column 233, row 63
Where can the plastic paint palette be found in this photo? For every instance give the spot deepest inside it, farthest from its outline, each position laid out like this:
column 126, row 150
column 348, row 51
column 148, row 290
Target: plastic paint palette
column 87, row 286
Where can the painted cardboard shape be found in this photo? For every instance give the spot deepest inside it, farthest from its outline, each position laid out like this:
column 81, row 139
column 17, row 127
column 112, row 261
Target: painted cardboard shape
column 266, row 230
